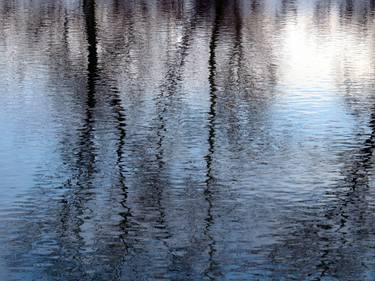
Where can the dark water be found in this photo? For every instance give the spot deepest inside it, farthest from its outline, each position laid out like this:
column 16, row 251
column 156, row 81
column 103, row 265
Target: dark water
column 187, row 140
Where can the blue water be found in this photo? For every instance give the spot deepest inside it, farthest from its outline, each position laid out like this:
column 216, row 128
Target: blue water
column 187, row 140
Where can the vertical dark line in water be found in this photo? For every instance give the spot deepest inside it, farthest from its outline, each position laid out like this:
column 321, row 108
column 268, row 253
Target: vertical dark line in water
column 125, row 223
column 92, row 67
column 66, row 29
column 121, row 128
column 73, row 205
column 119, row 116
column 116, row 6
column 86, row 139
column 208, row 193
column 86, row 155
column 117, row 109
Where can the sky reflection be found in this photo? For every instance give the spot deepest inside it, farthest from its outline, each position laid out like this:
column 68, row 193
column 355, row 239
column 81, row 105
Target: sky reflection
column 174, row 140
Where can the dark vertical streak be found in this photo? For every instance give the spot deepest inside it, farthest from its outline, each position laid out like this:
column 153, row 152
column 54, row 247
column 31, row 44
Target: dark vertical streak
column 66, row 28
column 210, row 270
column 86, row 156
column 120, row 120
column 118, row 110
column 121, row 128
column 92, row 67
column 73, row 205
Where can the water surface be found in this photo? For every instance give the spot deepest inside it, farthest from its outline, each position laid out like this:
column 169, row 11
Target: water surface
column 187, row 140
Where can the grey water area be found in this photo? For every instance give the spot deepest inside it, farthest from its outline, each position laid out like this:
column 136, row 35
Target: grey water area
column 187, row 140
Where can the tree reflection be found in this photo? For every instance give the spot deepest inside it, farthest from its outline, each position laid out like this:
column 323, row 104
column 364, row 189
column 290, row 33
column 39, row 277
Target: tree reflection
column 212, row 268
column 165, row 144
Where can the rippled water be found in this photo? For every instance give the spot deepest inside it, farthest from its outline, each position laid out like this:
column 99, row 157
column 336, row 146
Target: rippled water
column 187, row 140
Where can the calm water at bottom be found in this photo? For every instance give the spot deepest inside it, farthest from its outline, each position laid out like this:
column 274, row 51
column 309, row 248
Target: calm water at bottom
column 187, row 140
